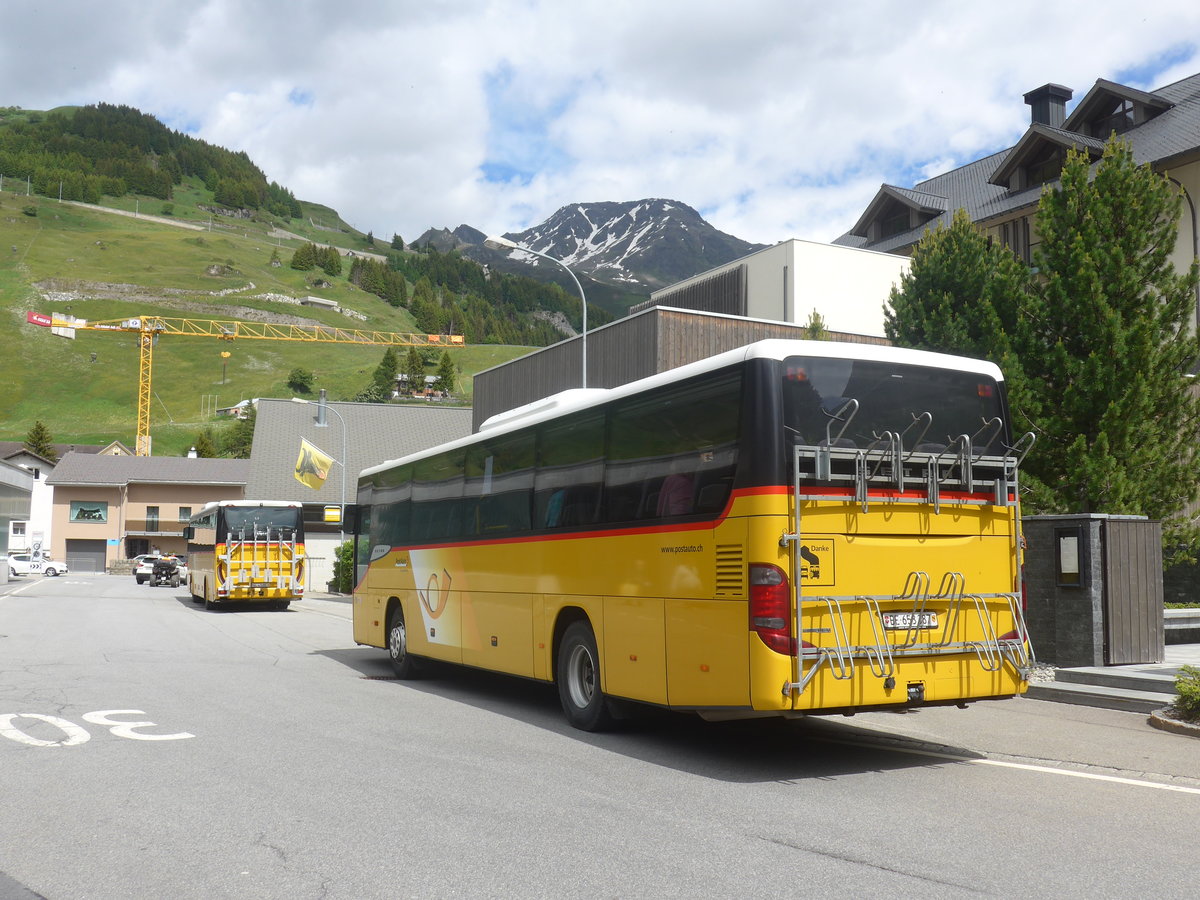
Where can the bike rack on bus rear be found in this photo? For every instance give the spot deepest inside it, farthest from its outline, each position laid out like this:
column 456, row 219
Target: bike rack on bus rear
column 894, row 473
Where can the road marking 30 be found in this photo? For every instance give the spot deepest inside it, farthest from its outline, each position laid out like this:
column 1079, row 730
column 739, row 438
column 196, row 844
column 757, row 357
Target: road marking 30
column 77, row 734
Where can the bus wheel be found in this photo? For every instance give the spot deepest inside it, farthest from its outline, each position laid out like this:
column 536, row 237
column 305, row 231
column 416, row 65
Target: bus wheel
column 403, row 663
column 579, row 680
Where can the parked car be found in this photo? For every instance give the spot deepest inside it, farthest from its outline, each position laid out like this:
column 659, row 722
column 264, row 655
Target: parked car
column 143, row 570
column 28, row 564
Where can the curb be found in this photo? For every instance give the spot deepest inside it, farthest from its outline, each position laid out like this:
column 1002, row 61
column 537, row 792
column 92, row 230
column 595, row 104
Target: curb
column 1161, row 719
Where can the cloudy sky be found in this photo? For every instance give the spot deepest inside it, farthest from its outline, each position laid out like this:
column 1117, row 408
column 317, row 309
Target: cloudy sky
column 774, row 119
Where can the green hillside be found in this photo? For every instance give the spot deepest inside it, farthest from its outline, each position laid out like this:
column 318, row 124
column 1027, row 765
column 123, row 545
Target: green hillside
column 68, row 258
column 205, row 238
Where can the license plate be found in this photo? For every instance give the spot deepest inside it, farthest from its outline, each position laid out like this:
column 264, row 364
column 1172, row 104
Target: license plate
column 910, row 620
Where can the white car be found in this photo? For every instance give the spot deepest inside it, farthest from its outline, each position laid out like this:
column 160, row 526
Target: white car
column 26, row 564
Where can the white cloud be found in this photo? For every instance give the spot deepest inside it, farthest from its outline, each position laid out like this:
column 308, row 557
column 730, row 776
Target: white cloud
column 775, row 120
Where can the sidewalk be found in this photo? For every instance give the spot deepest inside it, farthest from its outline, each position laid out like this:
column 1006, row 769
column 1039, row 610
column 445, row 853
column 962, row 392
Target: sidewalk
column 1140, row 687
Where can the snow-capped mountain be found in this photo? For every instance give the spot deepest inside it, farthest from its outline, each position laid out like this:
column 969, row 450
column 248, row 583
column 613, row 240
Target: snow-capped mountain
column 635, row 247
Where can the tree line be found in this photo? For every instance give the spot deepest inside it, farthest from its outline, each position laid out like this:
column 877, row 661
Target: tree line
column 106, row 149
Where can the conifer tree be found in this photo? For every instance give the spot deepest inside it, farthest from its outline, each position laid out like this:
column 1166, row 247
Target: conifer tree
column 815, row 329
column 385, row 372
column 446, row 373
column 206, row 447
column 414, row 369
column 40, row 441
column 962, row 294
column 1111, row 346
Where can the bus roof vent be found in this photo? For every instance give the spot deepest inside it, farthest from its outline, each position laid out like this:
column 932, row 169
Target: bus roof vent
column 563, row 401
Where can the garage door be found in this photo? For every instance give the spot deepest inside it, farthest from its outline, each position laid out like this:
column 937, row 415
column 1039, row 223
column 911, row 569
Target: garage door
column 85, row 556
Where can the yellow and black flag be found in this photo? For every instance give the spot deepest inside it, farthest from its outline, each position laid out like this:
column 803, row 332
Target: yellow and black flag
column 312, row 465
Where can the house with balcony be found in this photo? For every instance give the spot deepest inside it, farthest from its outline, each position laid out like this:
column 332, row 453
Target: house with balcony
column 33, row 532
column 110, row 508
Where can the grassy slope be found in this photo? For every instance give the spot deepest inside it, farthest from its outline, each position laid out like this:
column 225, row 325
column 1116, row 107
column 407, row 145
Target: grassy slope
column 85, row 401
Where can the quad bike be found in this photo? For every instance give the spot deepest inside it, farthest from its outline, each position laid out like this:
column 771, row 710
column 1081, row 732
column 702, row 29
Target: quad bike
column 165, row 571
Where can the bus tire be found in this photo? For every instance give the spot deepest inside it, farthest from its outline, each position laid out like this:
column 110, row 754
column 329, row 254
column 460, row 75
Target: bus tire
column 403, row 663
column 579, row 690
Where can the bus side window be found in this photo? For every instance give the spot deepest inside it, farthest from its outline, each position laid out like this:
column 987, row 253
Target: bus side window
column 499, row 486
column 569, row 471
column 672, row 453
column 437, row 498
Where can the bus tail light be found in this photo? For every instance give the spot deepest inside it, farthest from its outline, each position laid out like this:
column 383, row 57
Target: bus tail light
column 771, row 607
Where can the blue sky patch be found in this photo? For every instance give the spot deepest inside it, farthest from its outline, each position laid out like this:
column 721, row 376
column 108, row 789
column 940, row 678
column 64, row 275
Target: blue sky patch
column 1146, row 75
column 519, row 145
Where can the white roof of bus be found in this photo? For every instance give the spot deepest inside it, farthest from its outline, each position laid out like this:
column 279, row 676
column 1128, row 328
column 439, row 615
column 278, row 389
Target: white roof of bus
column 208, row 507
column 775, row 348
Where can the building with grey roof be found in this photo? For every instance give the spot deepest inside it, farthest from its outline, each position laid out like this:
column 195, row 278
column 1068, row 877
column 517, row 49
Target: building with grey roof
column 360, row 435
column 111, row 508
column 1000, row 192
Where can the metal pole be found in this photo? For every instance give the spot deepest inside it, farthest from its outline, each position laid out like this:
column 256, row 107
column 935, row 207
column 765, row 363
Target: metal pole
column 322, row 408
column 504, row 243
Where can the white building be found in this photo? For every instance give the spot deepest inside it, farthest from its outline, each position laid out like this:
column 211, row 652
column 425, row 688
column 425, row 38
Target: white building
column 846, row 286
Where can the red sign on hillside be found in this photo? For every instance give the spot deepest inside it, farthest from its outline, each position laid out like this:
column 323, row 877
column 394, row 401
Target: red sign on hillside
column 34, row 318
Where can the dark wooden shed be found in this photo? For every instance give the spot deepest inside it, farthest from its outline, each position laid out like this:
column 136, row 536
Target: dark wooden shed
column 637, row 346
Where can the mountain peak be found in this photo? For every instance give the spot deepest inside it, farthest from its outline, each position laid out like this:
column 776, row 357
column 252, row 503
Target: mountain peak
column 636, row 246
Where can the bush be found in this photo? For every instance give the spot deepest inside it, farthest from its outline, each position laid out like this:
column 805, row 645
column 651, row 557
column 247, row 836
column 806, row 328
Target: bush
column 343, row 569
column 1187, row 704
column 30, row 210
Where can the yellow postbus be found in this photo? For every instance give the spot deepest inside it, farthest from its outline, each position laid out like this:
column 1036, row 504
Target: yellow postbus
column 790, row 528
column 243, row 551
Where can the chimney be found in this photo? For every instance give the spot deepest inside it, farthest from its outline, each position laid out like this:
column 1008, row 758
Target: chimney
column 1048, row 104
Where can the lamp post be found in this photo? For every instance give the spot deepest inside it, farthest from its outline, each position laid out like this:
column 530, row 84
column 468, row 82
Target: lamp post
column 322, row 408
column 502, row 243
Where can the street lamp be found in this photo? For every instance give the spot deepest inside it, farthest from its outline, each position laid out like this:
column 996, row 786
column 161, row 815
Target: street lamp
column 322, row 408
column 496, row 242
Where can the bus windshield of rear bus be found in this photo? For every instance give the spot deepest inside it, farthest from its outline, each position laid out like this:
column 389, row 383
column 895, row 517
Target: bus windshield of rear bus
column 931, row 407
column 261, row 520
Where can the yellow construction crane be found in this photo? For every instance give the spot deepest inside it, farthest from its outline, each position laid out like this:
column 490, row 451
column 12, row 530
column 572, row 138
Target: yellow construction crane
column 150, row 328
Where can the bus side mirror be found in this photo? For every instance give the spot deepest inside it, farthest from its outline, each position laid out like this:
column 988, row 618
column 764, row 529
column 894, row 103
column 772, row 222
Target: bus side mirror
column 188, row 532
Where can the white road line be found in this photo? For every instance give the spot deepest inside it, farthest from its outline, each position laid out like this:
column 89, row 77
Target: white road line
column 1049, row 770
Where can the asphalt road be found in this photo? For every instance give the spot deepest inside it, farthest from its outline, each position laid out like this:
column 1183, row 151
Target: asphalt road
column 150, row 749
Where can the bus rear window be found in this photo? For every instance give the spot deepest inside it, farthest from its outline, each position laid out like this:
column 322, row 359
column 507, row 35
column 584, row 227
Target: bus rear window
column 818, row 394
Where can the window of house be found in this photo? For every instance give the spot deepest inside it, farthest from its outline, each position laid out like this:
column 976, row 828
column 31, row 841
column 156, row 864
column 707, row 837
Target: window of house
column 1047, row 166
column 18, row 529
column 1120, row 120
column 894, row 221
column 152, row 518
column 185, row 513
column 1015, row 236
